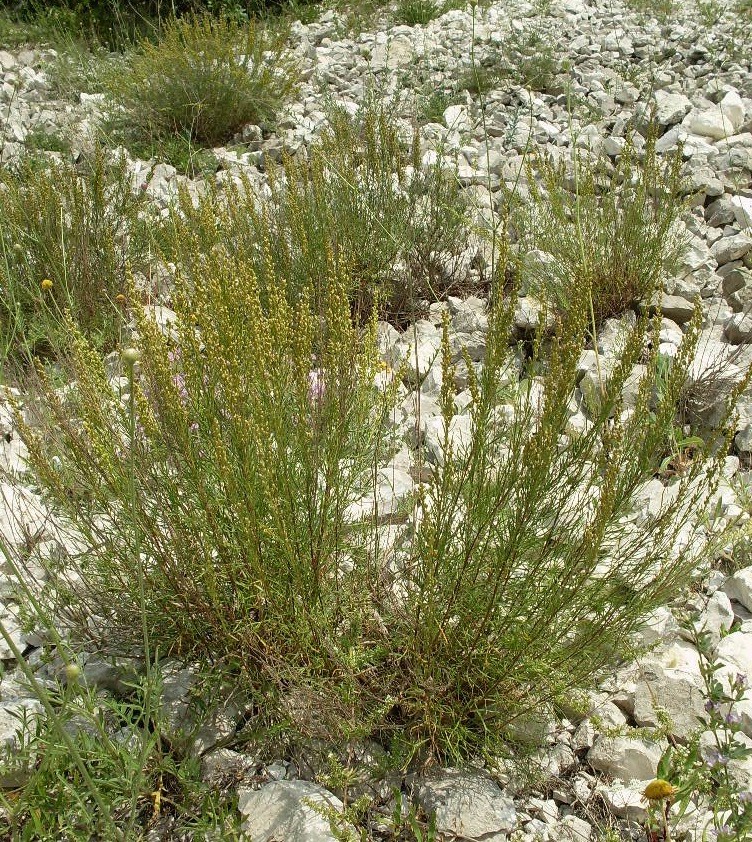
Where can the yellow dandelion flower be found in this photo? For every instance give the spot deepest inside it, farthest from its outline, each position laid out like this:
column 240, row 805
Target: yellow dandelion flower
column 47, row 284
column 659, row 790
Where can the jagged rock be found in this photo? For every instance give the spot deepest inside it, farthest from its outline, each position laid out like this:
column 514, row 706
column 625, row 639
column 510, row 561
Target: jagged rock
column 670, row 108
column 676, row 308
column 680, row 694
column 739, row 328
column 731, row 248
column 625, row 802
column 734, row 652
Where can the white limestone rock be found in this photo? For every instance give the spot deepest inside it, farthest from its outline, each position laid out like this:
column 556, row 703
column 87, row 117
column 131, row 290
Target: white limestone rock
column 731, row 248
column 739, row 587
column 732, row 108
column 466, row 804
column 670, row 108
column 680, row 694
column 624, row 802
column 459, row 436
column 735, row 655
column 717, row 617
column 282, row 810
column 626, row 758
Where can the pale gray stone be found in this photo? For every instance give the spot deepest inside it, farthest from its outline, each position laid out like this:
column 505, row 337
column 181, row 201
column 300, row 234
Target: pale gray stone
column 626, row 758
column 739, row 587
column 573, row 829
column 670, row 108
column 735, row 654
column 282, row 810
column 677, row 308
column 717, row 617
column 738, row 328
column 625, row 802
column 681, row 695
column 528, row 314
column 732, row 108
column 459, row 436
column 712, row 123
column 731, row 248
column 466, row 804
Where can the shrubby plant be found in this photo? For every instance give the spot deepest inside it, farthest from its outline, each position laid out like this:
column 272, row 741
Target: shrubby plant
column 252, row 429
column 257, row 428
column 361, row 200
column 205, row 78
column 611, row 230
column 524, row 545
column 116, row 23
column 68, row 235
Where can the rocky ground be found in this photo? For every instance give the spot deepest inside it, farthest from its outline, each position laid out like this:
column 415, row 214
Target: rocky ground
column 613, row 66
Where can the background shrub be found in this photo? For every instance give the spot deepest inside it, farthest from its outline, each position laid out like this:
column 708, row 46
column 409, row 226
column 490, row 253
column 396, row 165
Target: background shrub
column 399, row 232
column 611, row 229
column 117, row 22
column 251, row 434
column 204, row 79
column 69, row 235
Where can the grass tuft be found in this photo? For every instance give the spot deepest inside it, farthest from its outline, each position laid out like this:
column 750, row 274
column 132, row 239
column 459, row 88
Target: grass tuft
column 205, row 78
column 610, row 231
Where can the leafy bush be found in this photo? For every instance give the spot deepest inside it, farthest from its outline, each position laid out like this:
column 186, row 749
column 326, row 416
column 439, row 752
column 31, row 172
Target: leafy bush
column 399, row 232
column 205, row 79
column 252, row 434
column 69, row 235
column 611, row 230
column 221, row 503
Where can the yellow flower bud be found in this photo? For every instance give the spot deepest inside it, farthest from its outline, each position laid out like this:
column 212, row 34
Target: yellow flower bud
column 47, row 284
